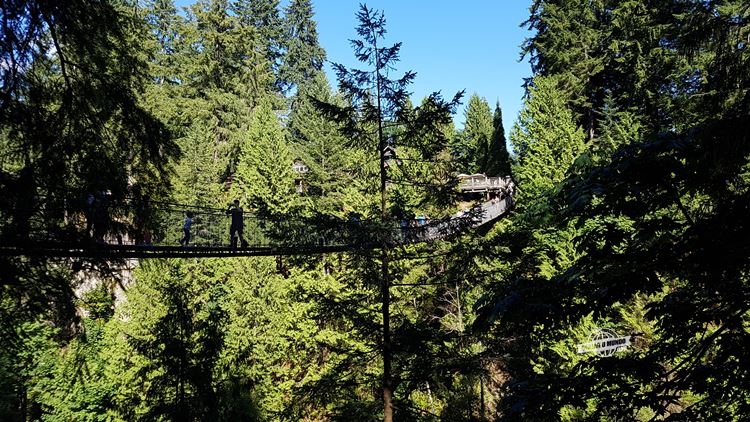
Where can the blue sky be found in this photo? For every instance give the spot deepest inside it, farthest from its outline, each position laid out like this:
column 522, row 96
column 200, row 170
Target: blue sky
column 452, row 45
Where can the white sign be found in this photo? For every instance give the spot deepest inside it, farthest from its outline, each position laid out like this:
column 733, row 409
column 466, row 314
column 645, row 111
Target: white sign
column 604, row 343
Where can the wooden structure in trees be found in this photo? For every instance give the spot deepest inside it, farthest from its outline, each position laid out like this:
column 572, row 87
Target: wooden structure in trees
column 481, row 183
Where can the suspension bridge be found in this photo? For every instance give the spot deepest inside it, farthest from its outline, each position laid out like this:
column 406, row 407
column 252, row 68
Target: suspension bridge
column 142, row 229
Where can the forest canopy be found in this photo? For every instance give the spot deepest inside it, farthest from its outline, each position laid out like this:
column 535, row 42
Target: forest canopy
column 630, row 162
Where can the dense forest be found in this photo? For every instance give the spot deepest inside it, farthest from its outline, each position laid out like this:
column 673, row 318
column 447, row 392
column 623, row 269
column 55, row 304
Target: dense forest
column 631, row 158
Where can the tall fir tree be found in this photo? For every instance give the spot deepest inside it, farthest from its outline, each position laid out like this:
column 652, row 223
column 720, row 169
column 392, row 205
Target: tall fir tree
column 638, row 218
column 263, row 16
column 498, row 158
column 303, row 57
column 546, row 140
column 570, row 41
column 264, row 177
column 334, row 180
column 226, row 76
column 375, row 100
column 471, row 147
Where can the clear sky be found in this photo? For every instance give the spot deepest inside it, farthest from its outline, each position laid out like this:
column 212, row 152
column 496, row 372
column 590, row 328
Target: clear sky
column 452, row 45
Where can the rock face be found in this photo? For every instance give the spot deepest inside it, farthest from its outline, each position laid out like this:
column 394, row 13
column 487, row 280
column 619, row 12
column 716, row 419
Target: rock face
column 116, row 276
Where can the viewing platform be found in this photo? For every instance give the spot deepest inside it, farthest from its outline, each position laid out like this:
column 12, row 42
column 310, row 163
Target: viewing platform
column 481, row 183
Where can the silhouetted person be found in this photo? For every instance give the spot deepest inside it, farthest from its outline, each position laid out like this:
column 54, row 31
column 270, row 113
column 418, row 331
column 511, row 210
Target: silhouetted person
column 186, row 228
column 25, row 202
column 238, row 224
column 89, row 212
column 147, row 241
column 101, row 216
column 141, row 214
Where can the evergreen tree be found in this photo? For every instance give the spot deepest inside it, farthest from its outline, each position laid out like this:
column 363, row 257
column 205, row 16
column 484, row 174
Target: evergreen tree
column 72, row 124
column 628, row 232
column 164, row 24
column 198, row 174
column 226, row 75
column 570, row 41
column 163, row 43
column 177, row 327
column 263, row 17
column 334, row 181
column 303, row 58
column 471, row 148
column 546, row 140
column 373, row 100
column 265, row 178
column 498, row 159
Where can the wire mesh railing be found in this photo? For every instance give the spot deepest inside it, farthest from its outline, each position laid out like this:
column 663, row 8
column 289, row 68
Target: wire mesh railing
column 104, row 220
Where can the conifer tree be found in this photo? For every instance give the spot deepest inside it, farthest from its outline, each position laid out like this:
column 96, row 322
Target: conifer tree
column 226, row 75
column 546, row 140
column 374, row 100
column 471, row 148
column 570, row 41
column 263, row 16
column 333, row 180
column 498, row 159
column 163, row 43
column 72, row 123
column 264, row 172
column 197, row 175
column 303, row 56
column 638, row 220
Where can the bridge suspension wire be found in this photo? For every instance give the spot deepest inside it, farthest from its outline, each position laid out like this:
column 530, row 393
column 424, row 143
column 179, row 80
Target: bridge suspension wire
column 133, row 228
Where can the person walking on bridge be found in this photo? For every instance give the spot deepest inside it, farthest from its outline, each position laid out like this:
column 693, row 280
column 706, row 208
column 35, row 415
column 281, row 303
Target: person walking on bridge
column 238, row 224
column 186, row 228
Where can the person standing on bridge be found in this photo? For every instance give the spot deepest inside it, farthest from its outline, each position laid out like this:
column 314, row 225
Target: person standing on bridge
column 186, row 228
column 238, row 224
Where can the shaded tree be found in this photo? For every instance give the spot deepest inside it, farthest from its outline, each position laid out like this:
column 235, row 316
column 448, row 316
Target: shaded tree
column 373, row 101
column 72, row 123
column 652, row 214
column 498, row 159
column 471, row 146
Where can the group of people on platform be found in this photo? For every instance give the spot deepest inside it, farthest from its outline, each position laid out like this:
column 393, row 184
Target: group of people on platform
column 96, row 209
column 236, row 228
column 97, row 218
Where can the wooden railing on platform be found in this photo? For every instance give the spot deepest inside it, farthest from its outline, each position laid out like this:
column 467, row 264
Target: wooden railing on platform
column 482, row 183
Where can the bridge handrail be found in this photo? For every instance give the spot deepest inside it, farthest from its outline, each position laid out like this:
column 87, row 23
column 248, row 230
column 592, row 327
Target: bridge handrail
column 48, row 226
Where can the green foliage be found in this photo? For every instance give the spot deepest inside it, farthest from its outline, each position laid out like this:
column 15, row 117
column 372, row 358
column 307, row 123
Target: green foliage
column 631, row 158
column 263, row 17
column 498, row 159
column 25, row 358
column 304, row 57
column 472, row 146
column 265, row 178
column 70, row 111
column 175, row 334
column 334, row 182
column 546, row 141
column 629, row 237
column 198, row 174
column 571, row 43
column 99, row 302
